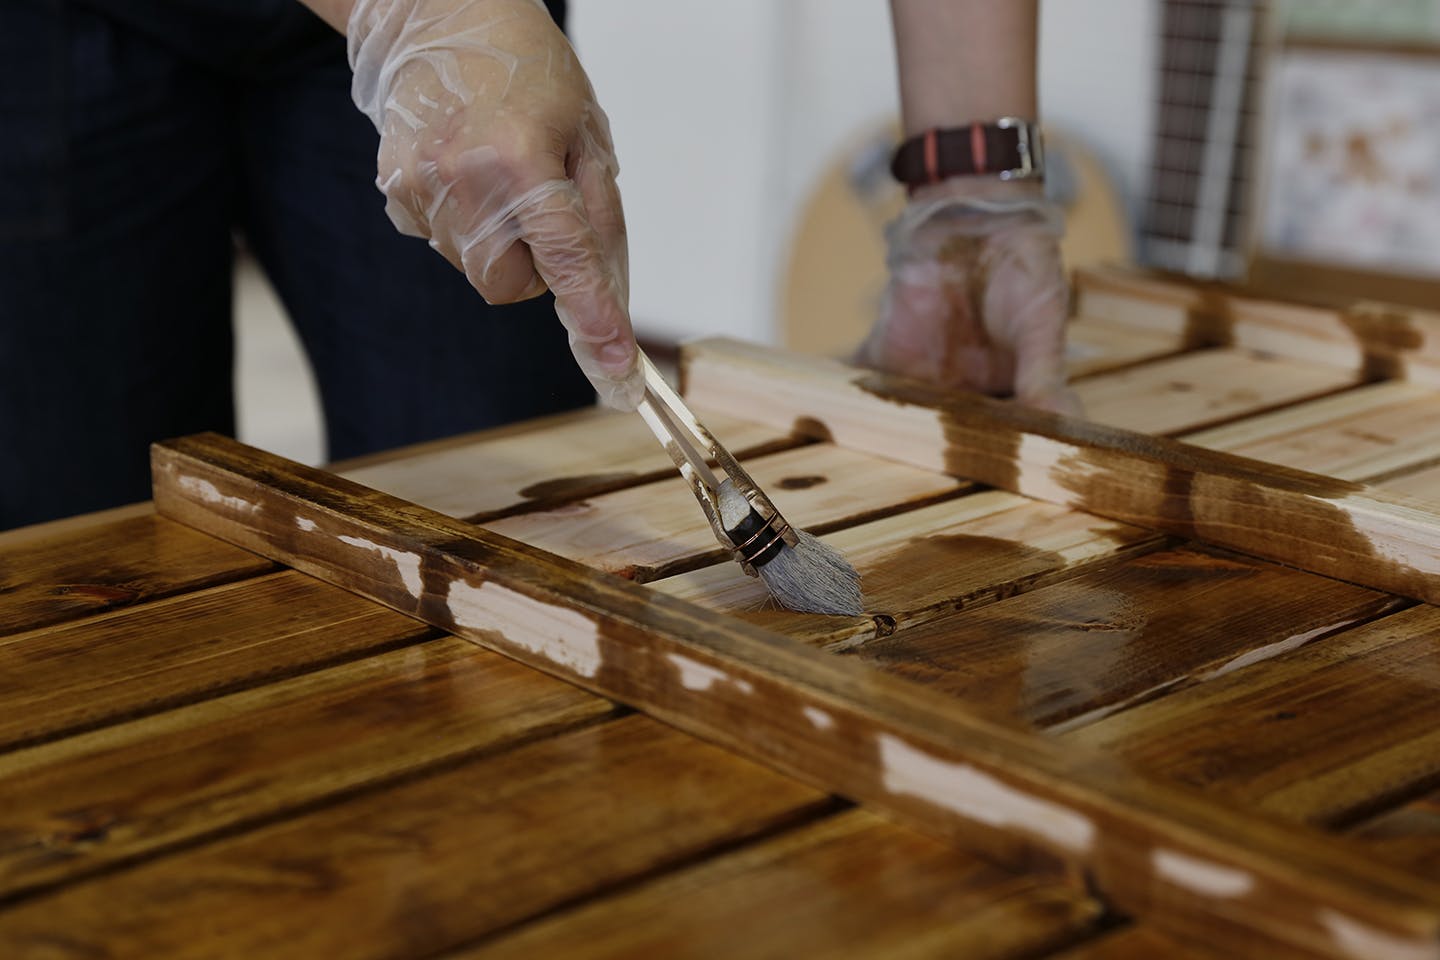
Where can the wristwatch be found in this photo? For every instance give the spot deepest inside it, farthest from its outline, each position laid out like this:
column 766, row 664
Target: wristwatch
column 1008, row 148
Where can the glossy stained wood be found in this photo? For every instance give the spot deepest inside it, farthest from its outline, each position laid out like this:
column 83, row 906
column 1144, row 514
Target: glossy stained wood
column 1332, row 527
column 546, row 462
column 429, row 865
column 1348, row 725
column 827, row 719
column 924, row 563
column 851, row 885
column 128, row 790
column 1201, row 388
column 1408, row 836
column 642, row 532
column 1102, row 641
column 65, row 679
column 52, row 574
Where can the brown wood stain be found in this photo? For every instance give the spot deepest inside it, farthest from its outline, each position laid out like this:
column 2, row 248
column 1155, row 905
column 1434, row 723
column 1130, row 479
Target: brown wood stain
column 1130, row 630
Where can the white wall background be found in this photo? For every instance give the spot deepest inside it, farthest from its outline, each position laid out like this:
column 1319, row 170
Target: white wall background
column 724, row 113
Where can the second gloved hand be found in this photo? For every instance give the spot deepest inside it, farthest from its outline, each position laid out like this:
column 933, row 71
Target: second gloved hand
column 977, row 298
column 493, row 147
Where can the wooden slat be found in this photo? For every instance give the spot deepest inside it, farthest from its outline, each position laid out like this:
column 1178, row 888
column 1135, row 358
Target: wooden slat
column 851, row 885
column 431, row 864
column 1344, row 726
column 50, row 573
column 1373, row 341
column 646, row 531
column 1148, row 847
column 66, row 679
column 128, row 790
column 920, row 565
column 1091, row 645
column 1094, row 346
column 1140, row 942
column 546, row 462
column 1422, row 484
column 1202, row 388
column 1333, row 527
column 1408, row 836
column 1361, row 434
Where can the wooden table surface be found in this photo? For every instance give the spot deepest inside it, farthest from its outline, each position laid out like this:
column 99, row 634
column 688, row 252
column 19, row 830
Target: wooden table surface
column 206, row 753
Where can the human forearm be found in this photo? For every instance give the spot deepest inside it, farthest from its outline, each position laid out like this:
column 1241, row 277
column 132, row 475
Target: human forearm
column 963, row 61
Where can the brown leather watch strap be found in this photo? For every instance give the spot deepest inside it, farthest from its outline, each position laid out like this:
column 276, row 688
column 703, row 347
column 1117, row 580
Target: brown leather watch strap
column 1008, row 148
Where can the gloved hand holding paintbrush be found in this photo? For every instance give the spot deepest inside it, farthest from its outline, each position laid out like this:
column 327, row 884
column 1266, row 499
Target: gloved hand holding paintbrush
column 493, row 148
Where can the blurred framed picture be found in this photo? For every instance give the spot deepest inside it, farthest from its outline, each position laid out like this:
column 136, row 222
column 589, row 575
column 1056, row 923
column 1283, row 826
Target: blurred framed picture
column 1349, row 203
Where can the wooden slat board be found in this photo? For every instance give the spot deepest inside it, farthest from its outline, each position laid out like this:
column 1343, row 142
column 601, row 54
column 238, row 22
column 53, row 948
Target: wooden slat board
column 131, row 789
column 647, row 531
column 66, row 679
column 851, row 885
column 1106, row 640
column 48, row 577
column 1202, row 388
column 543, row 463
column 840, row 724
column 232, row 761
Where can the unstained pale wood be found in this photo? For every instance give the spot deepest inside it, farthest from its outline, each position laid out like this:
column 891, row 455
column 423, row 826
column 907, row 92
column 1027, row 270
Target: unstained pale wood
column 546, row 462
column 132, row 789
column 1204, row 387
column 851, row 885
column 834, row 722
column 429, row 865
column 645, row 531
column 65, row 679
column 1094, row 346
column 1333, row 527
column 1374, row 431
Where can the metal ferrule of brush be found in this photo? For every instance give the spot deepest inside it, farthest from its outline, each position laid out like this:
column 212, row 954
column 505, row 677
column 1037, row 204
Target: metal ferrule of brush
column 763, row 533
column 758, row 540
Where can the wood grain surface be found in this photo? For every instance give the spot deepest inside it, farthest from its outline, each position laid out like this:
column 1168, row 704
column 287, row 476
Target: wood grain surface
column 52, row 574
column 851, row 885
column 132, row 789
column 62, row 680
column 1332, row 527
column 546, row 462
column 1145, row 845
column 1324, row 734
column 1133, row 631
column 1371, row 340
column 1202, row 388
column 922, row 564
column 427, row 865
column 648, row 531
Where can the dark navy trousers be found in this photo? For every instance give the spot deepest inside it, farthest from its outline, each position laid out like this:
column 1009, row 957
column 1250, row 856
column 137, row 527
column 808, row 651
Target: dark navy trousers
column 138, row 139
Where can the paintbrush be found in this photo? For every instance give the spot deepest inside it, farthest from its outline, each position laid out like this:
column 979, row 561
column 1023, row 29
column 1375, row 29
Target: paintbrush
column 801, row 572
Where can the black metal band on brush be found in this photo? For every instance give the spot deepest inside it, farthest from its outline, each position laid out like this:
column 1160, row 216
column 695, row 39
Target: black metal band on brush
column 758, row 540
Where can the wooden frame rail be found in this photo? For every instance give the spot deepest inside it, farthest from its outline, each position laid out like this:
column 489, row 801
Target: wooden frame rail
column 1176, row 857
column 1332, row 527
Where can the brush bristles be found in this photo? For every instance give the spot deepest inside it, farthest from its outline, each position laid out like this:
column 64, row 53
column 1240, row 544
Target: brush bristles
column 810, row 577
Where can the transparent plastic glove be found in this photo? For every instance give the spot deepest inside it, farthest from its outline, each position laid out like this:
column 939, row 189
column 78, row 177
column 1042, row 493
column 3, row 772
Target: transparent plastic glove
column 492, row 146
column 977, row 298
